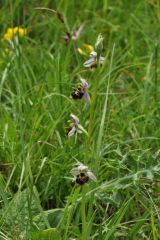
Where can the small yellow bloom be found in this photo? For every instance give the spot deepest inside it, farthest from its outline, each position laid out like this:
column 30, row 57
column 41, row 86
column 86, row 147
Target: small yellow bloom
column 7, row 36
column 15, row 29
column 86, row 48
column 22, row 32
column 81, row 52
column 11, row 32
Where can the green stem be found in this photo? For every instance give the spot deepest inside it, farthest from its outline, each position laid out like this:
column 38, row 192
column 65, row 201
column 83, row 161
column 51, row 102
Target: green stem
column 156, row 67
column 93, row 107
column 84, row 224
column 68, row 212
column 90, row 132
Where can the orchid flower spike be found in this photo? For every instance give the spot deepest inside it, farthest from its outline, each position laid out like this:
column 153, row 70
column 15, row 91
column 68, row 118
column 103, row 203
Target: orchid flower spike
column 82, row 174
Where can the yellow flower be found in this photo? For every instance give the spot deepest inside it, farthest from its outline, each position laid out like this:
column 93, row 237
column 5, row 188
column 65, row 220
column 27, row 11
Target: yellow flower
column 81, row 52
column 11, row 32
column 86, row 48
column 15, row 30
column 22, row 32
column 7, row 36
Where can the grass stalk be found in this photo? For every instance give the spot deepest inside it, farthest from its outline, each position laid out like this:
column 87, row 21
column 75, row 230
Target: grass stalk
column 93, row 107
column 99, row 141
column 84, row 223
column 156, row 67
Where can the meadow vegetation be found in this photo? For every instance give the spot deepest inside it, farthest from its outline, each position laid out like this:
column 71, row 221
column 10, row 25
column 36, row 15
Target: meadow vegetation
column 44, row 45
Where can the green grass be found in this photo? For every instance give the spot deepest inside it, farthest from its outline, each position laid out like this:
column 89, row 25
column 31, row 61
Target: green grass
column 38, row 199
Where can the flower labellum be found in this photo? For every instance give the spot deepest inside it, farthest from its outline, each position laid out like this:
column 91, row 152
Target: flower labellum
column 82, row 174
column 81, row 91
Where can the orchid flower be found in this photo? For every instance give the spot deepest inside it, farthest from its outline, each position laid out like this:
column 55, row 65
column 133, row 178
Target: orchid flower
column 92, row 62
column 75, row 126
column 85, row 86
column 82, row 174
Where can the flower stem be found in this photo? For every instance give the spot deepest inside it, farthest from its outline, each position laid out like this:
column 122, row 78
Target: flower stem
column 92, row 109
column 84, row 224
